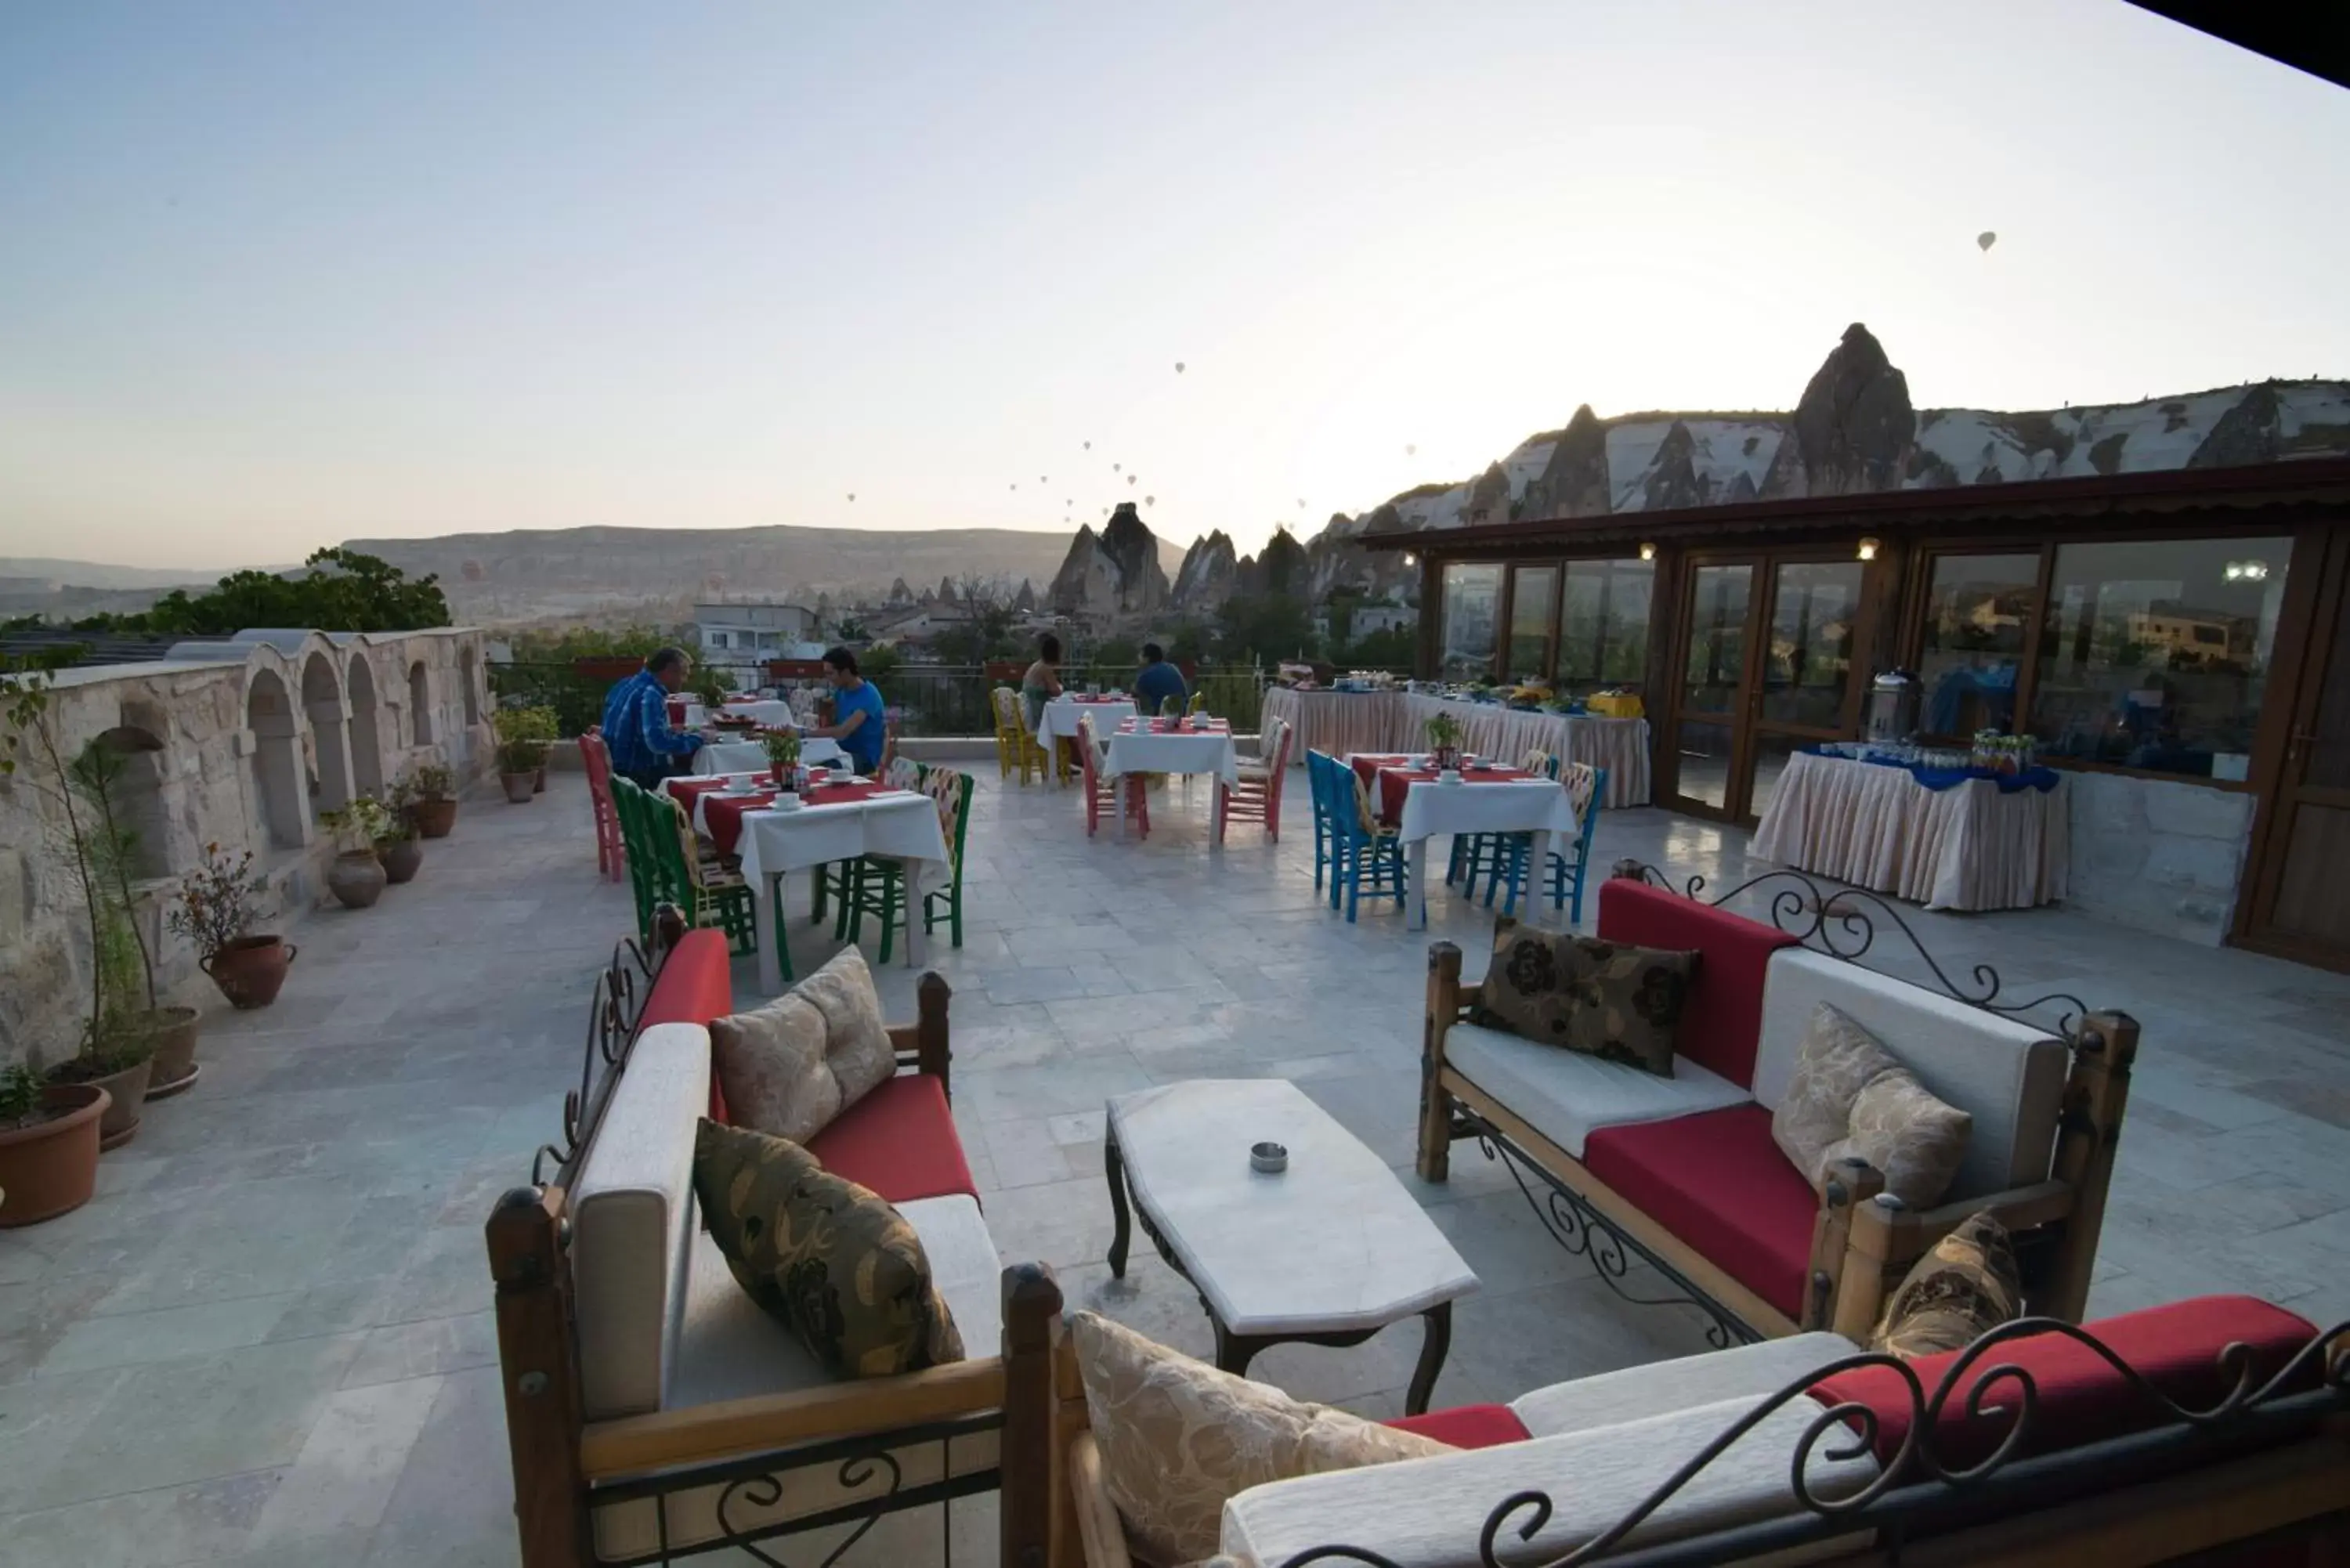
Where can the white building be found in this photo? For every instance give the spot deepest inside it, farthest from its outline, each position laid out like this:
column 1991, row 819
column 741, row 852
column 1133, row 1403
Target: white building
column 1369, row 618
column 743, row 637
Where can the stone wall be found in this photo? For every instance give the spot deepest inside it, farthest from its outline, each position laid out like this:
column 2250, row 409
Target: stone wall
column 241, row 743
column 2157, row 856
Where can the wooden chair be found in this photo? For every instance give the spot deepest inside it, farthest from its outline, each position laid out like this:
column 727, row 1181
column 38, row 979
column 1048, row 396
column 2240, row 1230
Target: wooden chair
column 596, row 758
column 1101, row 790
column 876, row 885
column 1258, row 796
column 1490, row 854
column 1365, row 856
column 1016, row 744
column 1586, row 786
column 708, row 896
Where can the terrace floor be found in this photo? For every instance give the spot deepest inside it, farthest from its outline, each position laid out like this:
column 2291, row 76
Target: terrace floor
column 267, row 1340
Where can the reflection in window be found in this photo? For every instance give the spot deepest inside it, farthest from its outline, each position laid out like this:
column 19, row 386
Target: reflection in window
column 2155, row 654
column 1807, row 662
column 1717, row 638
column 1533, row 596
column 1603, row 635
column 1472, row 592
column 1979, row 610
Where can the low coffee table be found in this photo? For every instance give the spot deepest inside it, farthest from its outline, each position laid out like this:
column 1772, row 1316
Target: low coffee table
column 1329, row 1251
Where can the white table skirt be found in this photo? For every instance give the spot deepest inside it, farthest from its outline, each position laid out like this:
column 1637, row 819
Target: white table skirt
column 1176, row 753
column 1536, row 805
column 1967, row 847
column 751, row 757
column 696, row 715
column 774, row 843
column 1340, row 724
column 1061, row 716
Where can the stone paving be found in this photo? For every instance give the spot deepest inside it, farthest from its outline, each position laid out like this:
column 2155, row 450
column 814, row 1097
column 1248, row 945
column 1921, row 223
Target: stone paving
column 267, row 1340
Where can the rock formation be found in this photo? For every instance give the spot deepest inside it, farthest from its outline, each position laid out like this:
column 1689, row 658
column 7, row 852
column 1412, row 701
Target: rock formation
column 946, row 590
column 1574, row 483
column 1204, row 581
column 1853, row 427
column 1283, row 568
column 899, row 594
column 1024, row 601
column 1113, row 573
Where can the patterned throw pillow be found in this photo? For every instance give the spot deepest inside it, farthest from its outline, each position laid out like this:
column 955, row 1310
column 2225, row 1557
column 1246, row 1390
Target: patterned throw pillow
column 1916, row 1139
column 1833, row 1063
column 1964, row 1287
column 1177, row 1438
column 793, row 1065
column 1609, row 1000
column 828, row 1258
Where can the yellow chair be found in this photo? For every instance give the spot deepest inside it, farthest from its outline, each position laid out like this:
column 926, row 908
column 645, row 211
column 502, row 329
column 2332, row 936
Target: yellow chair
column 1014, row 746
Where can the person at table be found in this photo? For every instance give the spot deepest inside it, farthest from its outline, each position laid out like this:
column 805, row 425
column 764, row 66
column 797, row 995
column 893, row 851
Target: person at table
column 1043, row 681
column 636, row 732
column 858, row 723
column 1159, row 682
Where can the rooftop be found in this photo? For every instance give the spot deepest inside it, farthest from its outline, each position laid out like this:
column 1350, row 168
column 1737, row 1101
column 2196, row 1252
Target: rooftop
column 268, row 1341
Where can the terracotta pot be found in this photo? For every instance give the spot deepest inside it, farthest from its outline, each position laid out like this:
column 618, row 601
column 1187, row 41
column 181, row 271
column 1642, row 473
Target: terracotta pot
column 403, row 859
column 126, row 1092
column 433, row 818
column 173, row 1065
column 538, row 780
column 355, row 878
column 51, row 1168
column 249, row 969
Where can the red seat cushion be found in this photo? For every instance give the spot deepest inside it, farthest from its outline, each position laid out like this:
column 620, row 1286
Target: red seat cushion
column 696, row 984
column 1722, row 1021
column 1717, row 1181
column 2082, row 1399
column 899, row 1140
column 1468, row 1426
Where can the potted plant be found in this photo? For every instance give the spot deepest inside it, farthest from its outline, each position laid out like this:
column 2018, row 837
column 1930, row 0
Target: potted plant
column 48, row 1146
column 1443, row 741
column 400, row 848
column 357, row 877
column 431, row 792
column 96, row 775
column 783, row 757
column 522, row 752
column 215, row 913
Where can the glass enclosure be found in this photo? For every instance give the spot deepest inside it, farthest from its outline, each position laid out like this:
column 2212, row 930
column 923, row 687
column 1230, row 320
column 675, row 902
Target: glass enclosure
column 1807, row 660
column 1979, row 613
column 1717, row 638
column 1603, row 628
column 1473, row 594
column 1533, row 606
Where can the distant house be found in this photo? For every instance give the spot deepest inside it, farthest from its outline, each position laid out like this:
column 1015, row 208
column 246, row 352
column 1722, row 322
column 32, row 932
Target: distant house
column 744, row 637
column 1371, row 619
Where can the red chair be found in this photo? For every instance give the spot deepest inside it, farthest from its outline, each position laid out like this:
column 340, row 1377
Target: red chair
column 1102, row 790
column 610, row 858
column 1258, row 796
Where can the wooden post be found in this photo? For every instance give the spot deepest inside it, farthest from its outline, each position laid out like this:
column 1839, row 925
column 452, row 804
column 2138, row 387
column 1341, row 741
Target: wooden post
column 540, row 1372
column 1852, row 1182
column 1881, row 1231
column 1435, row 1162
column 931, row 1054
column 1030, row 1457
column 1429, row 642
column 2089, row 1130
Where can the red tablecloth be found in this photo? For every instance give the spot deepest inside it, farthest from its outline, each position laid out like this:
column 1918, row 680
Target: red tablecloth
column 1106, row 697
column 722, row 816
column 1392, row 781
column 684, row 790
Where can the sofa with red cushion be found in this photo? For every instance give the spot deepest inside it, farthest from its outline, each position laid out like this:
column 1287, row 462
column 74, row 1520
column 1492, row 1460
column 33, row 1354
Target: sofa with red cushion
column 1683, row 1170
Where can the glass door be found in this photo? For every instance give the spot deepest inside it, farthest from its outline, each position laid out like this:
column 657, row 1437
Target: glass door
column 1805, row 687
column 2298, row 908
column 1709, row 697
column 1533, row 617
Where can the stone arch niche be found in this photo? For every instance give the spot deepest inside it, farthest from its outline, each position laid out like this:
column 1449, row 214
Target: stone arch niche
column 366, row 737
column 322, row 701
column 469, row 675
column 277, row 783
column 420, row 705
column 139, row 805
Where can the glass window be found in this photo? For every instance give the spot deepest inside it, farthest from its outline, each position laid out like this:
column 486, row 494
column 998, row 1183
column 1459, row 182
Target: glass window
column 1705, row 762
column 1602, row 639
column 1979, row 610
column 1717, row 638
column 2155, row 654
column 1807, row 660
column 1533, row 601
column 1472, row 592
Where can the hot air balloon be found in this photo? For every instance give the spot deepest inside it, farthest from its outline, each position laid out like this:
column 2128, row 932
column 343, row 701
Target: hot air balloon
column 1113, row 468
column 1089, row 446
column 1129, row 479
column 1301, row 503
column 1042, row 480
column 1411, row 452
column 852, row 496
column 1015, row 487
column 1985, row 240
column 1179, row 366
column 1151, row 501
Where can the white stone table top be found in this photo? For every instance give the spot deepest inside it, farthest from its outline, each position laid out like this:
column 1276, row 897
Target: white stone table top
column 1330, row 1245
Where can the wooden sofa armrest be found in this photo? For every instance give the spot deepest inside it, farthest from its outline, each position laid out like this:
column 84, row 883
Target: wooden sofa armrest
column 631, row 1445
column 1100, row 1531
column 1448, row 1000
column 1865, row 1238
column 922, row 1044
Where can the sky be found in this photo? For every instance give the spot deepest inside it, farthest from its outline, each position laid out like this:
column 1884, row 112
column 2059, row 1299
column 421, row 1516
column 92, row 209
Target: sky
column 271, row 276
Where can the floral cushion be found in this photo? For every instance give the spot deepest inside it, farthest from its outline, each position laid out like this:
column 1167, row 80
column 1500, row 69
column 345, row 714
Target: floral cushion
column 1850, row 1098
column 1610, row 1000
column 944, row 786
column 1177, row 1439
column 793, row 1065
column 1966, row 1285
column 831, row 1261
column 1833, row 1063
column 1581, row 782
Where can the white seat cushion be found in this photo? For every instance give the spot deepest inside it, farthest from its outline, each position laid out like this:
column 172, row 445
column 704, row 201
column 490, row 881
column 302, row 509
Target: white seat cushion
column 727, row 1348
column 1566, row 1096
column 2009, row 1076
column 630, row 1212
column 1610, row 1398
column 1427, row 1513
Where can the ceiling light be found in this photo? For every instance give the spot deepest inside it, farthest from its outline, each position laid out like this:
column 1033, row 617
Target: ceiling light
column 1868, row 547
column 1648, row 551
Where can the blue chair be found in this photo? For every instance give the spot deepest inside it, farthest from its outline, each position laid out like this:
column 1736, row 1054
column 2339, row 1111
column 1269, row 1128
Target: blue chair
column 1365, row 858
column 1317, row 781
column 1588, row 787
column 1488, row 855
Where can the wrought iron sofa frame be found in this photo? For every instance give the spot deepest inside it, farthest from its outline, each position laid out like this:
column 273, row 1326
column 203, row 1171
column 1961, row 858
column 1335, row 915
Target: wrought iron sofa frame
column 565, row 1466
column 1863, row 1240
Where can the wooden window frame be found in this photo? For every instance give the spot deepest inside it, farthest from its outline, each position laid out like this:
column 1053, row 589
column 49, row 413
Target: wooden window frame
column 1547, row 668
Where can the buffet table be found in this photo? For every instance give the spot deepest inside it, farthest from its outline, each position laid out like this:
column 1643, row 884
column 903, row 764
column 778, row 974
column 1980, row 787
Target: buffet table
column 1948, row 839
column 1340, row 724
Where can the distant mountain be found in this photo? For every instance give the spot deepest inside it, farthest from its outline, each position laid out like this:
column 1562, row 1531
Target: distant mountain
column 29, row 569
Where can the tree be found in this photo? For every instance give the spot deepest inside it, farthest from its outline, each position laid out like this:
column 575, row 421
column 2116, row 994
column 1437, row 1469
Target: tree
column 1270, row 627
column 344, row 590
column 852, row 630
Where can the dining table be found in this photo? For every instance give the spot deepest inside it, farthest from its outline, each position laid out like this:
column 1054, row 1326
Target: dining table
column 1195, row 743
column 750, row 756
column 1060, row 718
column 1341, row 723
column 1411, row 796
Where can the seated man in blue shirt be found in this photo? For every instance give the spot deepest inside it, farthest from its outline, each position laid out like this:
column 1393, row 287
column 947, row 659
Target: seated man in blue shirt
column 1158, row 681
column 857, row 723
column 636, row 721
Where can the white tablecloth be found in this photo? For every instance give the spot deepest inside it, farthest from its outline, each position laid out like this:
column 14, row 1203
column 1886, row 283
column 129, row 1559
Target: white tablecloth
column 1137, row 752
column 696, row 715
column 1340, row 724
column 774, row 843
column 1965, row 848
column 1538, row 806
column 751, row 757
column 771, row 711
column 1061, row 716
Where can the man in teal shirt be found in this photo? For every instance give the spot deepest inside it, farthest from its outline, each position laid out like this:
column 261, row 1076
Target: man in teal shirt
column 1159, row 682
column 857, row 723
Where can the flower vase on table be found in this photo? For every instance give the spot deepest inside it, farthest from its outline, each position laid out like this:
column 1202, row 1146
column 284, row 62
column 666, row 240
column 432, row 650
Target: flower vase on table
column 782, row 758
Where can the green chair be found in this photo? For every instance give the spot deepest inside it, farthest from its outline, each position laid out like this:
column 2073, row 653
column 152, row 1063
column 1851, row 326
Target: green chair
column 707, row 897
column 644, row 872
column 876, row 885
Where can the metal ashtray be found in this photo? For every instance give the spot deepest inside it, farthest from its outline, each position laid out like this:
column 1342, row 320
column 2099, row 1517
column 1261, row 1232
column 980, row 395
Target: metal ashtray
column 1271, row 1159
